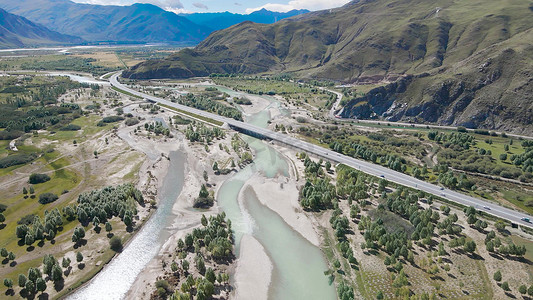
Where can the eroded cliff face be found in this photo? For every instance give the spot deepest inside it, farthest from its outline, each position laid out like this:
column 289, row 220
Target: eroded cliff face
column 492, row 93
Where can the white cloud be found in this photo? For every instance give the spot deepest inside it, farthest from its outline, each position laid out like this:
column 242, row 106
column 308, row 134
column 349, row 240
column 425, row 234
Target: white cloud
column 300, row 4
column 165, row 4
column 200, row 5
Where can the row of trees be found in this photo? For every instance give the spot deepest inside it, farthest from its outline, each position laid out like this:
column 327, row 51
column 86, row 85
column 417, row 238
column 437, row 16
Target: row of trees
column 198, row 132
column 207, row 104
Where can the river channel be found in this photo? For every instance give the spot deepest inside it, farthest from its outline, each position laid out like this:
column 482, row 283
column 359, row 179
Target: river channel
column 115, row 280
column 298, row 265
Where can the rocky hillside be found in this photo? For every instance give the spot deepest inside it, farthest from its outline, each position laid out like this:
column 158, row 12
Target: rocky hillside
column 135, row 23
column 462, row 62
column 16, row 32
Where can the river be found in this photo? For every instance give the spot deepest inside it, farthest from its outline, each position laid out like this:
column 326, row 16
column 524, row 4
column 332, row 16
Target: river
column 115, row 280
column 298, row 265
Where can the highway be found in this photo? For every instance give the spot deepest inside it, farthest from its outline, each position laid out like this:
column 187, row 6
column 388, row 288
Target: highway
column 363, row 166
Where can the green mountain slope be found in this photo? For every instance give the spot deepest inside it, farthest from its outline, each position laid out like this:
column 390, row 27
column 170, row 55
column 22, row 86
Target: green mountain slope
column 135, row 23
column 222, row 20
column 441, row 44
column 16, row 31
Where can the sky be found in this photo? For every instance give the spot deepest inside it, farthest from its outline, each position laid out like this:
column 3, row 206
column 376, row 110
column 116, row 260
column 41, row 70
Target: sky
column 235, row 6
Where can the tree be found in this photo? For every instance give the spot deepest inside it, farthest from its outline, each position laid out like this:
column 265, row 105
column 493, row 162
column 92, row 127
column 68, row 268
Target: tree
column 204, row 193
column 57, row 273
column 497, row 276
column 29, row 239
column 200, row 265
column 78, row 235
column 441, row 249
column 40, row 285
column 530, row 290
column 4, row 252
column 24, row 190
column 128, row 221
column 205, row 176
column 210, row 275
column 185, row 265
column 379, row 295
column 215, row 167
column 65, row 263
column 204, row 220
column 29, row 287
column 500, row 225
column 108, row 227
column 115, row 243
column 470, row 246
column 174, row 267
column 337, row 264
column 95, row 153
column 22, row 280
column 8, row 283
column 328, row 166
column 522, row 289
column 11, row 256
column 505, row 286
column 79, row 257
column 2, row 218
column 96, row 221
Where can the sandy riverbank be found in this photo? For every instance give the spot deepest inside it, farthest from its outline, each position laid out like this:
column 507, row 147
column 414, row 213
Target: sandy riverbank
column 186, row 218
column 254, row 270
column 280, row 194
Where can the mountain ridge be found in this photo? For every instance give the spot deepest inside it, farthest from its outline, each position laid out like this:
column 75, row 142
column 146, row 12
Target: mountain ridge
column 17, row 31
column 443, row 43
column 99, row 23
column 222, row 20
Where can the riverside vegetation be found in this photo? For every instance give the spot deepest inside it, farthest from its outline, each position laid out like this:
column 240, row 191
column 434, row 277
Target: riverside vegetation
column 387, row 241
column 483, row 164
column 200, row 264
column 58, row 222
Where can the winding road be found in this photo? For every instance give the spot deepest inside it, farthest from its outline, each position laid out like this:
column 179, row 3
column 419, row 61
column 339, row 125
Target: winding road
column 363, row 166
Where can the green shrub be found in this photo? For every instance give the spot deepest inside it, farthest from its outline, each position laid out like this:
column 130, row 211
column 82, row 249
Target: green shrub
column 38, row 178
column 132, row 121
column 17, row 159
column 110, row 119
column 47, row 198
column 70, row 127
column 115, row 243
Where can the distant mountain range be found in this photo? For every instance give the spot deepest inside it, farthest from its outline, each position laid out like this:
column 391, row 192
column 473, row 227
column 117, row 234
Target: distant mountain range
column 451, row 62
column 222, row 20
column 16, row 32
column 136, row 23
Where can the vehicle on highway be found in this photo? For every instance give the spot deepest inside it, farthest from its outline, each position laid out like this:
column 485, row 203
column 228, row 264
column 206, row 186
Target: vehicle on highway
column 382, row 176
column 486, row 207
column 442, row 189
column 526, row 220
